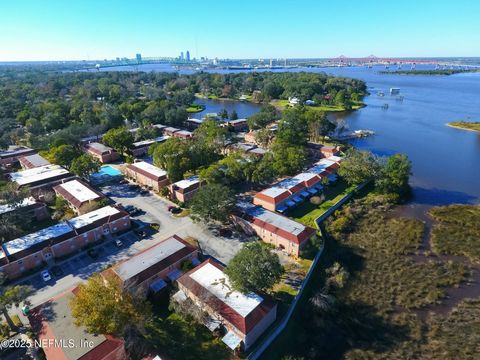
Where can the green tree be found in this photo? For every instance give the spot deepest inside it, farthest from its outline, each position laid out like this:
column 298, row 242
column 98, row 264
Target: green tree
column 254, row 268
column 62, row 155
column 103, row 307
column 120, row 139
column 12, row 296
column 394, row 175
column 173, row 156
column 359, row 166
column 13, row 223
column 318, row 125
column 292, row 128
column 223, row 114
column 85, row 165
column 212, row 203
column 288, row 160
column 233, row 115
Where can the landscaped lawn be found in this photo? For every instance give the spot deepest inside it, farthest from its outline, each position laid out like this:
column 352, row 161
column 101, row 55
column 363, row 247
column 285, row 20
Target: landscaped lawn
column 194, row 108
column 306, row 213
column 283, row 104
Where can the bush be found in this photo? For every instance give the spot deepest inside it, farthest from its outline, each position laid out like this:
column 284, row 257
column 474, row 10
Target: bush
column 316, row 200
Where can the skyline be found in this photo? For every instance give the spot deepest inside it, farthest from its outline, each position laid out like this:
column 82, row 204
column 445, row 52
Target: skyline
column 56, row 31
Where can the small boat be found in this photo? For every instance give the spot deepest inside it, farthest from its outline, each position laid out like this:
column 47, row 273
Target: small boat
column 394, row 91
column 380, row 93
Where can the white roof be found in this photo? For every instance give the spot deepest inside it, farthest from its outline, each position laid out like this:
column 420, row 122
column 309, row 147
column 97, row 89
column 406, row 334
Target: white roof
column 36, row 160
column 5, row 208
column 93, row 216
column 151, row 169
column 99, row 147
column 79, row 190
column 142, row 261
column 215, row 281
column 198, row 121
column 326, row 161
column 27, row 241
column 151, row 141
column 274, row 191
column 335, row 158
column 183, row 184
column 276, row 220
column 39, row 173
column 305, row 176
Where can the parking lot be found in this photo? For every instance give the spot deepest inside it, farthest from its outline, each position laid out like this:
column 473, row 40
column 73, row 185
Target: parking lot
column 155, row 210
column 68, row 273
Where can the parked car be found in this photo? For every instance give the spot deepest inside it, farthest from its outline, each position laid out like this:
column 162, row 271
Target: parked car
column 46, row 275
column 130, row 208
column 133, row 187
column 144, row 192
column 93, row 253
column 176, row 210
column 118, row 243
column 57, row 271
column 136, row 211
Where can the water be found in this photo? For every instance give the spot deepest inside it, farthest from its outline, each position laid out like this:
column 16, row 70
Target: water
column 243, row 109
column 446, row 161
column 105, row 174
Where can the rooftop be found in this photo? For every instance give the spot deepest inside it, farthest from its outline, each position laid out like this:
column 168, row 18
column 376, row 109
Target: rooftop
column 274, row 191
column 34, row 160
column 143, row 260
column 29, row 176
column 27, row 241
column 149, row 168
column 276, row 220
column 183, row 184
column 215, row 281
column 91, row 217
column 14, row 150
column 151, row 141
column 305, row 176
column 79, row 191
column 101, row 148
column 184, row 132
column 5, row 208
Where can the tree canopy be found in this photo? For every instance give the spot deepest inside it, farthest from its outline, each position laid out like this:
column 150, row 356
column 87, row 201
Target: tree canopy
column 254, row 268
column 85, row 165
column 119, row 138
column 212, row 203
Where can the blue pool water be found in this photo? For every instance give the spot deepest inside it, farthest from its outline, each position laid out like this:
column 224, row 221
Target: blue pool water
column 105, row 174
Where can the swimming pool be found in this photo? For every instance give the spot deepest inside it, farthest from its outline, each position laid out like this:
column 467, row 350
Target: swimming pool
column 105, row 174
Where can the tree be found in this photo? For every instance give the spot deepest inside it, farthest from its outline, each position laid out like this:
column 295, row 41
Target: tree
column 223, row 114
column 62, row 155
column 12, row 223
column 85, row 165
column 292, row 128
column 318, row 125
column 359, row 166
column 212, row 203
column 233, row 115
column 263, row 137
column 120, row 139
column 254, row 268
column 103, row 307
column 288, row 160
column 395, row 175
column 12, row 295
column 173, row 156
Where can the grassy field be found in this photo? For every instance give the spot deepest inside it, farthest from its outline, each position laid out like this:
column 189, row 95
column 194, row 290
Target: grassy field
column 465, row 125
column 283, row 104
column 373, row 313
column 306, row 213
column 195, row 108
column 457, row 231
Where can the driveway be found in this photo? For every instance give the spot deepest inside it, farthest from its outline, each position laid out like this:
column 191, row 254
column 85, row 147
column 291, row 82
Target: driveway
column 156, row 210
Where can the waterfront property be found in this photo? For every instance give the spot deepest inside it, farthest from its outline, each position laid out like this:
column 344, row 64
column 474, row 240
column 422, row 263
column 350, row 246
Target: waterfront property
column 183, row 190
column 53, row 323
column 79, row 196
column 193, row 123
column 322, row 151
column 285, row 234
column 33, row 250
column 237, row 125
column 183, row 134
column 148, row 270
column 36, row 209
column 147, row 174
column 41, row 177
column 292, row 191
column 101, row 152
column 245, row 317
column 140, row 148
column 32, row 161
column 13, row 153
column 170, row 130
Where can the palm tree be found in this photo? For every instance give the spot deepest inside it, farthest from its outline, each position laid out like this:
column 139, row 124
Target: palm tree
column 322, row 301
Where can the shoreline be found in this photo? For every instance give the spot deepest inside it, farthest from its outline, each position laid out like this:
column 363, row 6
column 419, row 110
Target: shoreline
column 462, row 128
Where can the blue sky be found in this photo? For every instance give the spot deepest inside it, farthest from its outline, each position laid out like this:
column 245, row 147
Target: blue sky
column 71, row 30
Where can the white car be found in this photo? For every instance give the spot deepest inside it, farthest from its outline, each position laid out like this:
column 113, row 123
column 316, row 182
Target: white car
column 46, row 275
column 118, row 243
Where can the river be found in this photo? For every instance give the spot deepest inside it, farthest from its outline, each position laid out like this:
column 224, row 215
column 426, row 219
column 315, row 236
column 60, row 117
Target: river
column 446, row 161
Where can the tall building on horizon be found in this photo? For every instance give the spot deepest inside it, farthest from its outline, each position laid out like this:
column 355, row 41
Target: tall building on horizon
column 188, row 56
column 181, row 55
column 139, row 58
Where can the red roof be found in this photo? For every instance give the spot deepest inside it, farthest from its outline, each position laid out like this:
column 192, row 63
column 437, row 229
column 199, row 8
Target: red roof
column 243, row 324
column 306, row 234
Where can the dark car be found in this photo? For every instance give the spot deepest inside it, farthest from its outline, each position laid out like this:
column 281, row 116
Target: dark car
column 176, row 210
column 57, row 271
column 93, row 253
column 130, row 208
column 133, row 187
column 144, row 192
